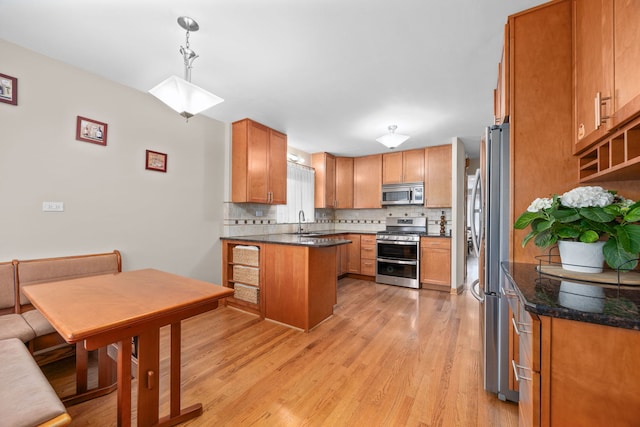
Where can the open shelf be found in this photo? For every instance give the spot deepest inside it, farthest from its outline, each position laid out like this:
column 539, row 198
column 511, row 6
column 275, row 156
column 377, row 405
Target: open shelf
column 617, row 158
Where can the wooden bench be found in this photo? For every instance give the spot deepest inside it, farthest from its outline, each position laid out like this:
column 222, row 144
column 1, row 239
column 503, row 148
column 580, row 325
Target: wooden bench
column 12, row 324
column 26, row 397
column 47, row 345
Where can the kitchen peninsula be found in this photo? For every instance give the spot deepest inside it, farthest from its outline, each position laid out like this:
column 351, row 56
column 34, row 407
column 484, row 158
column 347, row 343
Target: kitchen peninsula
column 287, row 278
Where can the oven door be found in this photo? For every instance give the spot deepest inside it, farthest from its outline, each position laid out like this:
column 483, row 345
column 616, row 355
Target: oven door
column 406, row 251
column 398, row 263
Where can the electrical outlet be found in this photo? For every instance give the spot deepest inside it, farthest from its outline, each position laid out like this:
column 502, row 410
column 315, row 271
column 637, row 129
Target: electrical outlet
column 258, row 213
column 53, row 206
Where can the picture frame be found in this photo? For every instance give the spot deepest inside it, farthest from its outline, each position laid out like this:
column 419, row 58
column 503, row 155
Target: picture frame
column 8, row 89
column 156, row 161
column 89, row 130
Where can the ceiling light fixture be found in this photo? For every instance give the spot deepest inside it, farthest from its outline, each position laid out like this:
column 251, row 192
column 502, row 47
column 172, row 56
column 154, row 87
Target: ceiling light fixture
column 180, row 94
column 392, row 139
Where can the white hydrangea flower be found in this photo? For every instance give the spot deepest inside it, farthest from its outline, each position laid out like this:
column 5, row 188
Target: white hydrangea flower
column 539, row 204
column 584, row 197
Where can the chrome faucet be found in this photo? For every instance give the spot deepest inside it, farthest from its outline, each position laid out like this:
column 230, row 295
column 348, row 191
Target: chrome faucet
column 300, row 221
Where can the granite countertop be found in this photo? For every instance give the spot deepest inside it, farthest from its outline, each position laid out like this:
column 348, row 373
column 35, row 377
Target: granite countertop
column 314, row 240
column 616, row 306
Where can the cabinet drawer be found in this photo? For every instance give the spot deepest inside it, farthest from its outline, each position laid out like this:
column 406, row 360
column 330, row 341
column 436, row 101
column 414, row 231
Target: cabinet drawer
column 368, row 239
column 368, row 251
column 368, row 267
column 435, row 243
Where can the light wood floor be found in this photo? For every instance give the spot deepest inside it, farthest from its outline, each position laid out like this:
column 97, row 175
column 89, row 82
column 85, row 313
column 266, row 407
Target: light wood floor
column 389, row 356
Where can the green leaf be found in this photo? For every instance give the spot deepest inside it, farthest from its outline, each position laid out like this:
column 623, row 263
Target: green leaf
column 614, row 210
column 566, row 215
column 596, row 214
column 545, row 239
column 633, row 215
column 528, row 237
column 540, row 226
column 616, row 257
column 629, row 237
column 566, row 232
column 526, row 219
column 589, row 236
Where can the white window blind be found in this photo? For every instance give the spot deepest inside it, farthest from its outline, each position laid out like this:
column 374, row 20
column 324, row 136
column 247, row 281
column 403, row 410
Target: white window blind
column 300, row 190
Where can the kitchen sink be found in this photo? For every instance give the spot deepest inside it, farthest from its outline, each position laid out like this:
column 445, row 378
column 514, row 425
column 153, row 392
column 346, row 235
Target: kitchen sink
column 306, row 234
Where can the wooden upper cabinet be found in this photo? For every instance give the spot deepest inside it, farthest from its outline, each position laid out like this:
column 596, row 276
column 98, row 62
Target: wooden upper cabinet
column 344, row 182
column 403, row 166
column 501, row 93
column 367, row 181
column 438, row 176
column 592, row 44
column 606, row 54
column 325, row 180
column 259, row 164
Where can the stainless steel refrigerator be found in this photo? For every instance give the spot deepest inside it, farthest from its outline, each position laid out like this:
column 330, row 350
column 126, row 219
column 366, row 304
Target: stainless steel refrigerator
column 491, row 243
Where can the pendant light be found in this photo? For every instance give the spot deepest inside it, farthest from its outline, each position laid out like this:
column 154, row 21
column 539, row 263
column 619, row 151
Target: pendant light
column 392, row 139
column 180, row 94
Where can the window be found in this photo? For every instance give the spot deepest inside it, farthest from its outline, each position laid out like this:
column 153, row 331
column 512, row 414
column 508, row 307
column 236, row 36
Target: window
column 300, row 194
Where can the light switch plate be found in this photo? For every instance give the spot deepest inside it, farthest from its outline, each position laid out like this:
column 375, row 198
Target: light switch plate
column 53, row 206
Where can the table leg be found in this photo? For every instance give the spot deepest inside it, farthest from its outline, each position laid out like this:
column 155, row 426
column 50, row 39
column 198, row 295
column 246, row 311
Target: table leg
column 124, row 383
column 82, row 362
column 148, row 377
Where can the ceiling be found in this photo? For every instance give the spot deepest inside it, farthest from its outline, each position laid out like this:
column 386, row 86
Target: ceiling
column 331, row 74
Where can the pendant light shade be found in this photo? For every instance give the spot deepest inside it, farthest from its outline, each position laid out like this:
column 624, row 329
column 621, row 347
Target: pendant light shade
column 180, row 94
column 184, row 97
column 392, row 139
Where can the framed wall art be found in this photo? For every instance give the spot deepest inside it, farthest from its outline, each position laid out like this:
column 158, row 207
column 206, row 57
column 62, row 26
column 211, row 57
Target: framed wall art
column 8, row 89
column 156, row 161
column 89, row 130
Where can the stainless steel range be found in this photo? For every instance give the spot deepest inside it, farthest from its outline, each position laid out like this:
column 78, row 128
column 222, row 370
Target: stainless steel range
column 398, row 251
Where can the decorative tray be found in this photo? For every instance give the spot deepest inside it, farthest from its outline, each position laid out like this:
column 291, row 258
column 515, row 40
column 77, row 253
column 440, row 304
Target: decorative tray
column 627, row 279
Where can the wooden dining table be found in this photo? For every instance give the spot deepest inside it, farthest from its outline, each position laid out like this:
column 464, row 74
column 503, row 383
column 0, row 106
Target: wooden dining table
column 113, row 308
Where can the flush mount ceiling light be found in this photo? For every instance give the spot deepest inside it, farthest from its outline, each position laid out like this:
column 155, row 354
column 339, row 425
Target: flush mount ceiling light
column 392, row 139
column 180, row 94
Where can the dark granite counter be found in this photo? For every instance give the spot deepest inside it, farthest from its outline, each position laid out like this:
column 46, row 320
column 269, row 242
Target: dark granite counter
column 546, row 295
column 313, row 240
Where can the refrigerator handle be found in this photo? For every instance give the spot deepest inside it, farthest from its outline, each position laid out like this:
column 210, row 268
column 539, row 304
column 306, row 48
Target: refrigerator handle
column 476, row 194
column 476, row 292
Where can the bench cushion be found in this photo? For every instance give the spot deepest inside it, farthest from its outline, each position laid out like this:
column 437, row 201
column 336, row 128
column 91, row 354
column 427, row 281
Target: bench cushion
column 38, row 323
column 26, row 397
column 7, row 287
column 14, row 326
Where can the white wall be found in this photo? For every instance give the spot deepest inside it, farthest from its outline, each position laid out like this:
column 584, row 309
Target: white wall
column 459, row 228
column 170, row 221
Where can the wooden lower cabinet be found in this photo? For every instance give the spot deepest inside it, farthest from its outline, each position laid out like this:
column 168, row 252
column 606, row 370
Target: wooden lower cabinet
column 368, row 255
column 576, row 373
column 353, row 254
column 435, row 263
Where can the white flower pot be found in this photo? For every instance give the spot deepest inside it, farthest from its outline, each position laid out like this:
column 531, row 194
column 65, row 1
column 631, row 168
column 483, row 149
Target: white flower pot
column 578, row 296
column 581, row 257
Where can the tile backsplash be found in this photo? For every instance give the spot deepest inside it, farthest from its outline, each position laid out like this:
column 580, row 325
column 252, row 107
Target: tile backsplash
column 242, row 219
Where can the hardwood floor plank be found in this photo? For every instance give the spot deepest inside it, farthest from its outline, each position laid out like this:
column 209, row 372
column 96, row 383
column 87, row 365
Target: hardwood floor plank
column 389, row 356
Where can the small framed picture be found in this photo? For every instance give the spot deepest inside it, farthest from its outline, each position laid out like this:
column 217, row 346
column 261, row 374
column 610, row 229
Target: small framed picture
column 89, row 130
column 156, row 161
column 8, row 89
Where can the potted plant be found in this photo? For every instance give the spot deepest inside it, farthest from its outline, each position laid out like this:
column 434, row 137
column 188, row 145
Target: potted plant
column 588, row 215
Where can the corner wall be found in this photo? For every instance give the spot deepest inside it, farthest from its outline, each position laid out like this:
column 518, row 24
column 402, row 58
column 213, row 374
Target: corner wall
column 169, row 221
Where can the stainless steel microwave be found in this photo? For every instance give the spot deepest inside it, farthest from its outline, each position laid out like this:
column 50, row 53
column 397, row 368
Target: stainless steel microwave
column 403, row 194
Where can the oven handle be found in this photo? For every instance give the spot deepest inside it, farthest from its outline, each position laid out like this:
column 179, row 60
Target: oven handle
column 396, row 242
column 395, row 261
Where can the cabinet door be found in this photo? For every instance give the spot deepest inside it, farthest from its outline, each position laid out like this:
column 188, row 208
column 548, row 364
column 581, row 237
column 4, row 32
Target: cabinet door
column 438, row 182
column 413, row 165
column 626, row 60
column 344, row 182
column 353, row 255
column 278, row 167
column 367, row 181
column 258, row 163
column 592, row 41
column 325, row 180
column 435, row 262
column 392, row 168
